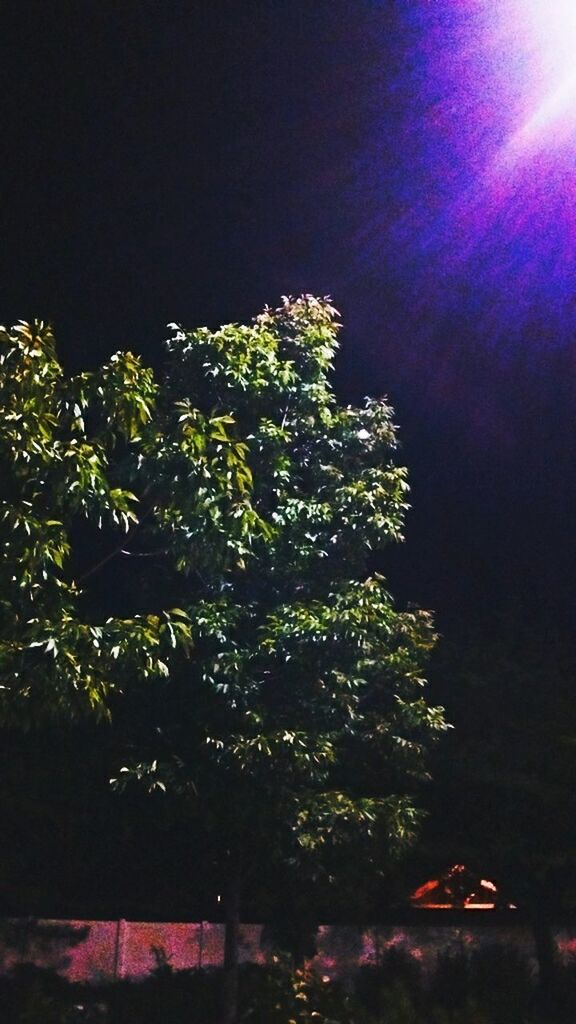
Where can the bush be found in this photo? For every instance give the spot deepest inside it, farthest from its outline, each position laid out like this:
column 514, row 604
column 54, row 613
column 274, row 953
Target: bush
column 501, row 981
column 492, row 986
column 34, row 995
column 396, row 986
column 280, row 995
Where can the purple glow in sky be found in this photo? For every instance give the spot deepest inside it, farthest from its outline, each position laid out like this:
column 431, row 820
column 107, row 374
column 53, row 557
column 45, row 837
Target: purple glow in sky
column 470, row 176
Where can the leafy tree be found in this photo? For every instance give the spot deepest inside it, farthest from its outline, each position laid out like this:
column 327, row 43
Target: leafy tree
column 298, row 733
column 290, row 720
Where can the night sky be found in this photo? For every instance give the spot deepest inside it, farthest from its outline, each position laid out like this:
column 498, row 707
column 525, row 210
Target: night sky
column 192, row 161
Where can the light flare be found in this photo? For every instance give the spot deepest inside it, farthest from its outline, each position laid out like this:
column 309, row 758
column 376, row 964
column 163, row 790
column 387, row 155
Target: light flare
column 554, row 24
column 468, row 176
column 550, row 39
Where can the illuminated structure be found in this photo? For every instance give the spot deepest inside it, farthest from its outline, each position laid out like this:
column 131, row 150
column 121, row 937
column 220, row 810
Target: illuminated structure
column 458, row 889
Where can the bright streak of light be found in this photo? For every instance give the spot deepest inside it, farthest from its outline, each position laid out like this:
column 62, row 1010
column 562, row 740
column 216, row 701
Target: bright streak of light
column 559, row 102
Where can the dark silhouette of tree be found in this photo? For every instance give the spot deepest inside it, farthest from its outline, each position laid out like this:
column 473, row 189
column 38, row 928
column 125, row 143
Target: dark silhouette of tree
column 503, row 798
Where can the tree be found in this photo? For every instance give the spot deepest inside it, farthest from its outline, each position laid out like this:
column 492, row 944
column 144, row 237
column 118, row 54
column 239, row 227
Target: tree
column 503, row 800
column 290, row 719
column 298, row 733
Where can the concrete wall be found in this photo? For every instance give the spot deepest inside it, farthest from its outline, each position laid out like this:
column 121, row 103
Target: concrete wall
column 100, row 951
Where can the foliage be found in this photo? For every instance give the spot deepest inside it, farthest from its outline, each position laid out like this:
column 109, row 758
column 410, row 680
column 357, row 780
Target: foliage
column 281, row 995
column 269, row 995
column 305, row 695
column 34, row 996
column 103, row 465
column 231, row 512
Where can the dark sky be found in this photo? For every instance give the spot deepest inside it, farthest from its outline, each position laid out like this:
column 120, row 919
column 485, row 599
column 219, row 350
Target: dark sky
column 191, row 161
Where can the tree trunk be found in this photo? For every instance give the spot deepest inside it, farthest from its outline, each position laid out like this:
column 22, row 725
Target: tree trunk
column 546, row 955
column 231, row 949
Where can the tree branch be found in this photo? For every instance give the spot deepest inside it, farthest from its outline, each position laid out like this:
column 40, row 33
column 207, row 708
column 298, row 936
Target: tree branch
column 119, row 548
column 144, row 554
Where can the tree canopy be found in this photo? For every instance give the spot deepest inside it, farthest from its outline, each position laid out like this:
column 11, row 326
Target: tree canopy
column 88, row 465
column 304, row 695
column 215, row 529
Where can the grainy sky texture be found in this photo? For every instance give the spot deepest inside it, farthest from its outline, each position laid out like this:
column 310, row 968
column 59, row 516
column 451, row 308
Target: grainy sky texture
column 192, row 161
